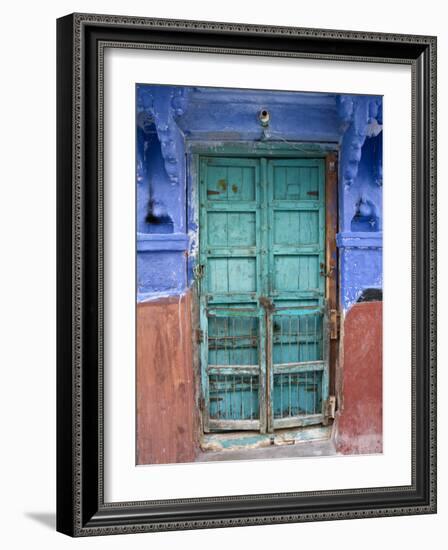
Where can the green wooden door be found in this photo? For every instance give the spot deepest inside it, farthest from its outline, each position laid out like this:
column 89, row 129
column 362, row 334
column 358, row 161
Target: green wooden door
column 264, row 359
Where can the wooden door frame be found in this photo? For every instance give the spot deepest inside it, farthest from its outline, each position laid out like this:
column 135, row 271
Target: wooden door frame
column 332, row 259
column 251, row 149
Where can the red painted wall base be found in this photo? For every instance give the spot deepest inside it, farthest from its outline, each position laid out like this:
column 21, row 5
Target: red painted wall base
column 359, row 420
column 166, row 408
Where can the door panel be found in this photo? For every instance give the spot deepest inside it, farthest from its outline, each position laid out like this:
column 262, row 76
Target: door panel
column 296, row 227
column 296, row 179
column 230, row 180
column 229, row 229
column 232, row 275
column 296, row 215
column 298, row 366
column 264, row 357
column 296, row 273
column 235, row 369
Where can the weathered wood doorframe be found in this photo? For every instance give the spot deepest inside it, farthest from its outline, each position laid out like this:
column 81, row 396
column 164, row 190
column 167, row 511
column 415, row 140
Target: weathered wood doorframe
column 329, row 152
column 332, row 260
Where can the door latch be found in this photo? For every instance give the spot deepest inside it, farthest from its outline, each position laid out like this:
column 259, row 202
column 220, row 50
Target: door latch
column 266, row 303
column 198, row 271
column 326, row 273
column 329, row 408
column 334, row 324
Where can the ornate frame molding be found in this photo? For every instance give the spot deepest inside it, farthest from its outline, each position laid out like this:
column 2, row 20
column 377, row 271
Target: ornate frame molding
column 81, row 42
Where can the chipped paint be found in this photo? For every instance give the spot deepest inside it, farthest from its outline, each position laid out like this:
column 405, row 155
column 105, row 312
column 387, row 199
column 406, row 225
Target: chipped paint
column 167, row 420
column 358, row 425
column 243, row 440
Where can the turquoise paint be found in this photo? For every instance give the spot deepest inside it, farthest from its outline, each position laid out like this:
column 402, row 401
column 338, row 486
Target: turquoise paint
column 262, row 235
column 249, row 441
column 244, row 440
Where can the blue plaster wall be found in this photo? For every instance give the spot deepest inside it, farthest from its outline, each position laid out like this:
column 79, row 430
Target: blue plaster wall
column 360, row 228
column 170, row 117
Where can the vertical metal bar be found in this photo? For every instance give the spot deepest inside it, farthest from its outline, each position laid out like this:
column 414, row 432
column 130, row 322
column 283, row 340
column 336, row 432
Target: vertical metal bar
column 266, row 393
column 316, row 357
column 226, row 331
column 230, row 410
column 289, row 393
column 221, row 411
column 250, row 396
column 289, row 341
column 243, row 355
column 281, row 395
column 233, row 342
column 234, row 411
column 282, row 360
column 242, row 397
column 236, row 342
column 307, row 329
column 225, row 397
column 230, row 322
column 298, row 392
column 289, row 359
column 223, row 344
column 306, row 393
column 326, row 357
column 298, row 379
column 240, row 351
column 298, row 339
column 250, row 362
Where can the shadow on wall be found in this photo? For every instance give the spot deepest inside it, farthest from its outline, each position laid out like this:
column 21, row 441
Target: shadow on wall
column 158, row 218
column 365, row 218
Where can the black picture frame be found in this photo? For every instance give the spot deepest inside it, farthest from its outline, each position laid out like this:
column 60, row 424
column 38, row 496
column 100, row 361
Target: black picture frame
column 81, row 510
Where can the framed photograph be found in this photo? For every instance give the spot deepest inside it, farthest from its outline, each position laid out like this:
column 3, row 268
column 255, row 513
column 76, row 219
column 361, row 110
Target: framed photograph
column 246, row 274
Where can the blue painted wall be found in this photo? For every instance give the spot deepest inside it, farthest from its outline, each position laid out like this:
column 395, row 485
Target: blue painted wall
column 169, row 118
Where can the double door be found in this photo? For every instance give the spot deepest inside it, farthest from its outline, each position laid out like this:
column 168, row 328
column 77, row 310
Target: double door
column 263, row 318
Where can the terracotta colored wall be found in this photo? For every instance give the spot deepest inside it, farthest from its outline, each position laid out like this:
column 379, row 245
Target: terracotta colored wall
column 166, row 423
column 360, row 416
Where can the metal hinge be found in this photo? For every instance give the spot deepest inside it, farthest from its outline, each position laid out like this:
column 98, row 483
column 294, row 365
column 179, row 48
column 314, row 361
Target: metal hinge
column 332, row 166
column 198, row 271
column 334, row 324
column 330, row 407
column 328, row 273
column 199, row 336
column 201, row 403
